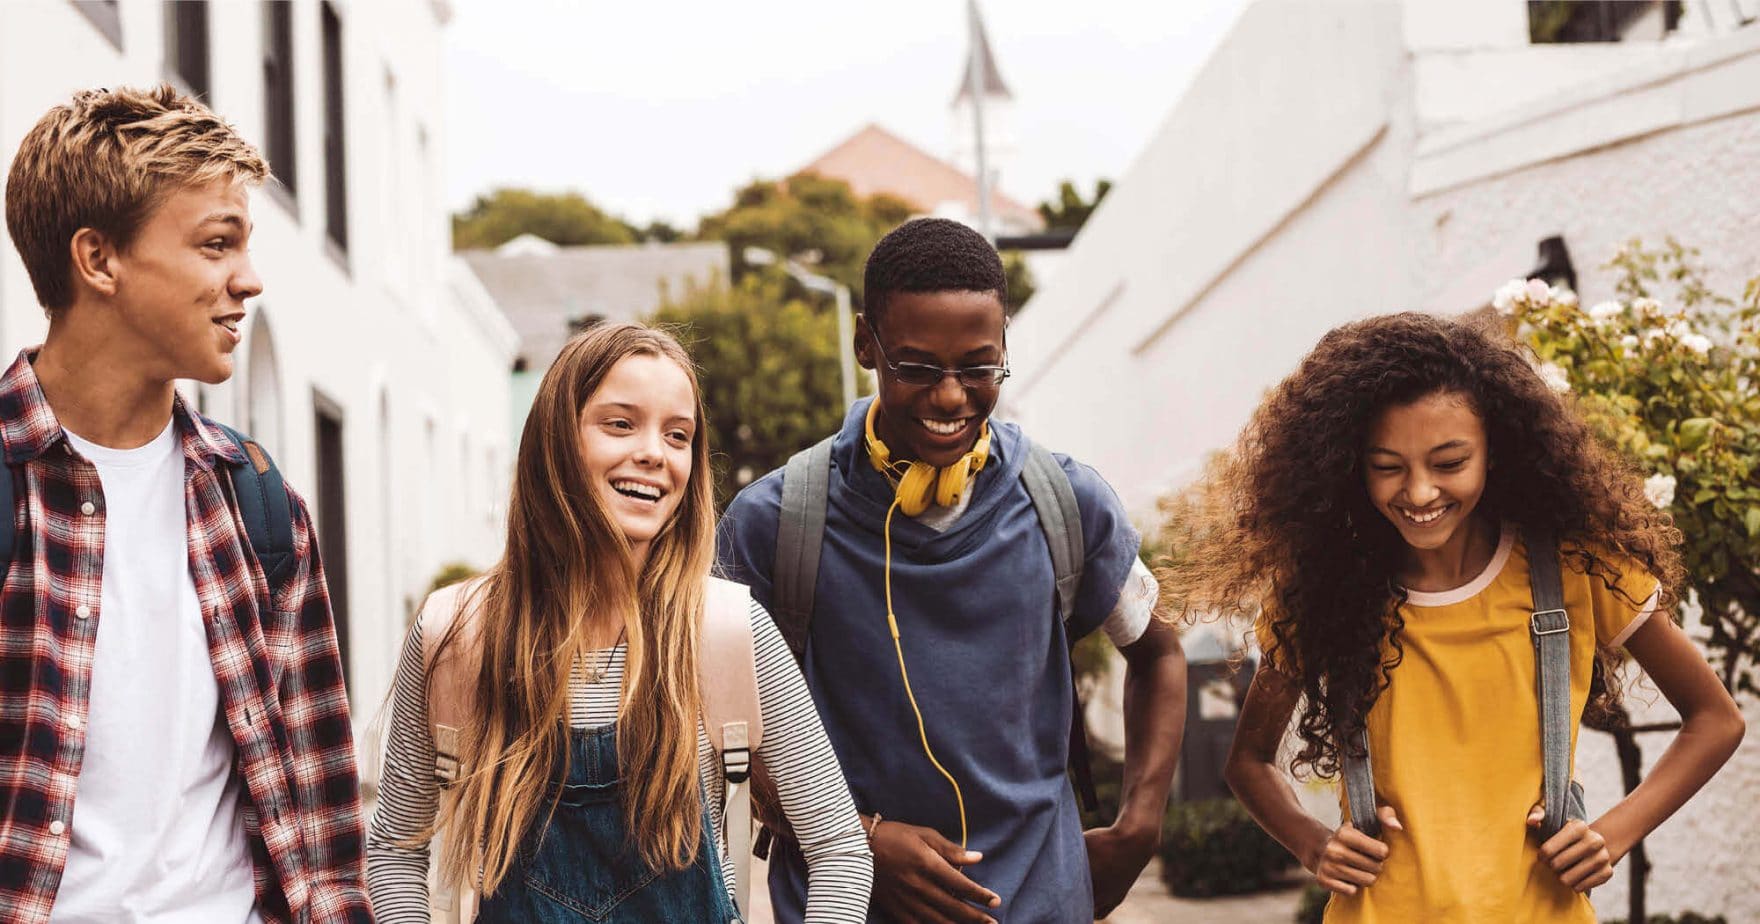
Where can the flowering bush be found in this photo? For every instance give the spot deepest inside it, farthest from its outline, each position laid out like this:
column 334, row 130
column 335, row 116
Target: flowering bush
column 1674, row 386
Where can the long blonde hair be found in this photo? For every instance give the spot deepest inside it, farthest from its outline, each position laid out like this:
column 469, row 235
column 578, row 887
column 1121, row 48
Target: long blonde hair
column 567, row 558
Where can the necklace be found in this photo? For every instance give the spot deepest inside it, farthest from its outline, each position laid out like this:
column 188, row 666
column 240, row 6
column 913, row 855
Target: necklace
column 597, row 675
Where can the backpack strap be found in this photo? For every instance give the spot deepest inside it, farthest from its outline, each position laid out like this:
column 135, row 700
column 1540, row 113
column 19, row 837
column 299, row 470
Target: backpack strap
column 800, row 533
column 1550, row 629
column 728, row 681
column 8, row 535
column 1054, row 499
column 448, row 676
column 263, row 507
column 1359, row 787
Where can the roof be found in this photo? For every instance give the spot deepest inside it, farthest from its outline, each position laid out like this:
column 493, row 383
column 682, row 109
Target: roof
column 993, row 83
column 874, row 160
column 541, row 293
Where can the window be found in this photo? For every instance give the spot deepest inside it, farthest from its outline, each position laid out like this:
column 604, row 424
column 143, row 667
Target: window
column 278, row 90
column 186, row 44
column 335, row 164
column 106, row 15
column 1559, row 22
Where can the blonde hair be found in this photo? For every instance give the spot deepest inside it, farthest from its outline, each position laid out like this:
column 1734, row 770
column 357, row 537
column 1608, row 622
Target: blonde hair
column 104, row 161
column 565, row 558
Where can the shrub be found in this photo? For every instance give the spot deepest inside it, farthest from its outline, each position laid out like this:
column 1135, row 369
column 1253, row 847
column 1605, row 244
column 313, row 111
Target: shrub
column 1215, row 848
column 1312, row 909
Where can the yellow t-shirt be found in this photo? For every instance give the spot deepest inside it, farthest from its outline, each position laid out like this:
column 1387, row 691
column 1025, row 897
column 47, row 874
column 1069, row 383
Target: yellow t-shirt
column 1455, row 746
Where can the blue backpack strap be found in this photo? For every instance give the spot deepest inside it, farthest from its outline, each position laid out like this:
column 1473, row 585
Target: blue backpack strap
column 263, row 507
column 8, row 535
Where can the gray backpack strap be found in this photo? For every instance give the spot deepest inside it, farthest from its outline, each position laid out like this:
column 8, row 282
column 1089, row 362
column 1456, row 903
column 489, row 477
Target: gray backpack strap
column 1359, row 788
column 806, row 486
column 1550, row 627
column 732, row 717
column 1061, row 520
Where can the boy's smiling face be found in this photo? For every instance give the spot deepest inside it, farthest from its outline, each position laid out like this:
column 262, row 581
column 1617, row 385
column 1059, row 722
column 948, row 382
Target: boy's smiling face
column 937, row 423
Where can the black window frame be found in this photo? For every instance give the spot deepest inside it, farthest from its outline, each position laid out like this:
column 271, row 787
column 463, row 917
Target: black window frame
column 280, row 114
column 188, row 49
column 335, row 128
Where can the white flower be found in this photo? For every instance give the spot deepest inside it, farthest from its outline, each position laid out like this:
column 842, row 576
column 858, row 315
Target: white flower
column 1606, row 311
column 1554, row 377
column 1629, row 341
column 1679, row 330
column 1508, row 295
column 1563, row 296
column 1644, row 305
column 1539, row 292
column 1659, row 490
column 1698, row 343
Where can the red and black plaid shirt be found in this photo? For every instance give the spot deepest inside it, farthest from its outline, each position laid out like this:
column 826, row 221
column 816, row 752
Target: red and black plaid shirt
column 278, row 668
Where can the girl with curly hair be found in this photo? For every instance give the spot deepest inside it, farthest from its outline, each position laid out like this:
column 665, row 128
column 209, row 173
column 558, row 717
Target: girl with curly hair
column 1372, row 520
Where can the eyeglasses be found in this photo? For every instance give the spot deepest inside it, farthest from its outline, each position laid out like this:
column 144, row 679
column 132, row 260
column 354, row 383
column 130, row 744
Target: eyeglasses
column 926, row 374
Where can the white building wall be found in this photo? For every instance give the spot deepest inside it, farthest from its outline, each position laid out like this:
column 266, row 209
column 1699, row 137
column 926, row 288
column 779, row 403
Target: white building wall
column 1270, row 208
column 382, row 328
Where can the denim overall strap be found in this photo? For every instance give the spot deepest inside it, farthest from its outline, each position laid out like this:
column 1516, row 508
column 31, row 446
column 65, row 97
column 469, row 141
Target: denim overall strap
column 582, row 863
column 1550, row 628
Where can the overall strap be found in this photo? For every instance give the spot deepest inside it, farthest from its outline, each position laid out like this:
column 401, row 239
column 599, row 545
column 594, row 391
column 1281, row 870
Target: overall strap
column 800, row 533
column 1359, row 787
column 1550, row 628
column 728, row 687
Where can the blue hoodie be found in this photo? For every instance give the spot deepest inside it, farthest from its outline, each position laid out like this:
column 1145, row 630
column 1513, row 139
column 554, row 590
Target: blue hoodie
column 988, row 659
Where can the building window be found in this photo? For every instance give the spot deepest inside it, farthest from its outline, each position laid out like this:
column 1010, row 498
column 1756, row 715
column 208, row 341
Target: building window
column 278, row 90
column 106, row 15
column 335, row 164
column 186, row 44
column 1563, row 22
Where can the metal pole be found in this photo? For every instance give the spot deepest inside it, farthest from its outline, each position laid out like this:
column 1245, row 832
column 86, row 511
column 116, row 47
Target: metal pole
column 846, row 348
column 975, row 89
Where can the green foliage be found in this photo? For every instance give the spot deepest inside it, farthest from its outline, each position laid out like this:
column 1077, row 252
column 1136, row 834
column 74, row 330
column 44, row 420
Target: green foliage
column 1312, row 908
column 560, row 218
column 808, row 217
column 1215, row 848
column 1070, row 210
column 1674, row 387
column 451, row 573
column 1019, row 277
column 769, row 372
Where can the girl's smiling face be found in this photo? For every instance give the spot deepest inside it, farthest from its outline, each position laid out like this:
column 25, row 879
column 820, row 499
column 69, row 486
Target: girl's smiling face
column 636, row 434
column 1425, row 465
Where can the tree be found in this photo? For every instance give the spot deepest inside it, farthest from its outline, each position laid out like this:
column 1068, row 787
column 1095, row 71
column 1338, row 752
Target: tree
column 1673, row 386
column 1019, row 275
column 814, row 219
column 769, row 376
column 1070, row 210
column 560, row 218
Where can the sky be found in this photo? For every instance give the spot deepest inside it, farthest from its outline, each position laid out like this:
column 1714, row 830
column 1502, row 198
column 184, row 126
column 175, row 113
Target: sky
column 661, row 110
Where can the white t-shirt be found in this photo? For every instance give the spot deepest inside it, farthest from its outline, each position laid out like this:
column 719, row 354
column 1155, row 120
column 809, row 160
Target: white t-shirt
column 158, row 826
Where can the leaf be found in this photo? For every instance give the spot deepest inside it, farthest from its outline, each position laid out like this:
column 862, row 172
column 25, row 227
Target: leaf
column 1752, row 520
column 1694, row 432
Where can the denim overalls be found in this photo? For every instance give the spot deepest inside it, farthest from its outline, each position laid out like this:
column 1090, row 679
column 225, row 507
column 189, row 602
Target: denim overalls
column 585, row 867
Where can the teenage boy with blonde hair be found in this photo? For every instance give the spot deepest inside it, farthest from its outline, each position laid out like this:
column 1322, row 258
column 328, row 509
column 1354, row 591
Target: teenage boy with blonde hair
column 174, row 736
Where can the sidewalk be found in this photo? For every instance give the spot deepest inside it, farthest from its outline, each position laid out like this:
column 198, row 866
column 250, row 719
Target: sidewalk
column 1148, row 903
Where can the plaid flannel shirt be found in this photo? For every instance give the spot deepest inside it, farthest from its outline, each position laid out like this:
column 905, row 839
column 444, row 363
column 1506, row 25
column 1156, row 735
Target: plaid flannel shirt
column 278, row 668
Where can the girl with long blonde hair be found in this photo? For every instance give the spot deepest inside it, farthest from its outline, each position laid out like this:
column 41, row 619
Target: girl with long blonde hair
column 582, row 784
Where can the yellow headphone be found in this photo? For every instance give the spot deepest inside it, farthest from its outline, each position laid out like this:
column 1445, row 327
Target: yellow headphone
column 917, row 483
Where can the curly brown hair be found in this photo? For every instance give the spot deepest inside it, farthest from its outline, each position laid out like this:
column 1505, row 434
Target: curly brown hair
column 1286, row 528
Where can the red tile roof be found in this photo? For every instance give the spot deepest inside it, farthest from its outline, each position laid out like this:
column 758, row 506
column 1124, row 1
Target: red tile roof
column 875, row 160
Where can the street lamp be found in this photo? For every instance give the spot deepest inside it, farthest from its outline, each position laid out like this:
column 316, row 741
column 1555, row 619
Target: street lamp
column 758, row 256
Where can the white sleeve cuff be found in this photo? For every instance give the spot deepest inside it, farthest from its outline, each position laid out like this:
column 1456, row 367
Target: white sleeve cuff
column 1638, row 620
column 1136, row 606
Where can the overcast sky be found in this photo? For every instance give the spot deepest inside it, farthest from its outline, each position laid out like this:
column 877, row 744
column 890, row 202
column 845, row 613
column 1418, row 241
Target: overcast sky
column 660, row 110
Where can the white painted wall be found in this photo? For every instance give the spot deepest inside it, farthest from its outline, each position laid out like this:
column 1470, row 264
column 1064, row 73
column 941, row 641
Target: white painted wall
column 390, row 327
column 1339, row 160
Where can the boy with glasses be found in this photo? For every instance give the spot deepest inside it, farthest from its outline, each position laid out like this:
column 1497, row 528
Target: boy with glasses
column 914, row 560
column 174, row 736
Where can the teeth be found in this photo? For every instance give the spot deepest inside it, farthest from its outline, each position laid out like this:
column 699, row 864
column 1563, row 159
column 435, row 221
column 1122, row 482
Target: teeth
column 1428, row 517
column 635, row 487
column 942, row 427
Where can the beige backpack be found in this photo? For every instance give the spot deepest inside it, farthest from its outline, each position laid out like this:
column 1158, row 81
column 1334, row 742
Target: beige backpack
column 728, row 680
